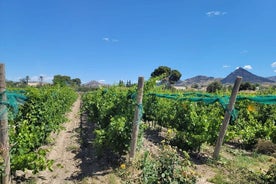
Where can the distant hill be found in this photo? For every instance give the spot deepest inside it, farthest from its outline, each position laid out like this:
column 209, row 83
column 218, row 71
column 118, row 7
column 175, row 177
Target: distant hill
column 93, row 84
column 273, row 78
column 246, row 77
column 199, row 79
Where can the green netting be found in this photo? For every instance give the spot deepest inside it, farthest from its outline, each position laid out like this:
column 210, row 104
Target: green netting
column 209, row 99
column 268, row 99
column 223, row 100
column 14, row 99
column 140, row 113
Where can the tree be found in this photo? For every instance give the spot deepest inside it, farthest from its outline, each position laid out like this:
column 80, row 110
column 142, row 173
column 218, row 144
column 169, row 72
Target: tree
column 27, row 79
column 128, row 84
column 62, row 80
column 214, row 87
column 12, row 84
column 247, row 86
column 161, row 70
column 76, row 81
column 121, row 83
column 195, row 86
column 40, row 80
column 167, row 73
column 174, row 76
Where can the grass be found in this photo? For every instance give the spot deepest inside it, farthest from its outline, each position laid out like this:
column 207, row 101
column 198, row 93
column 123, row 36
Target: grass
column 239, row 166
column 234, row 166
column 111, row 178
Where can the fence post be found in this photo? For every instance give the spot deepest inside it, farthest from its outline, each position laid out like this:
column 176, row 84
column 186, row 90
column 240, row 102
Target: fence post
column 227, row 117
column 137, row 118
column 4, row 138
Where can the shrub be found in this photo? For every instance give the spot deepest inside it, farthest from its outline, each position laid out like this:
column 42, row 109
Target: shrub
column 270, row 176
column 214, row 87
column 167, row 167
column 265, row 147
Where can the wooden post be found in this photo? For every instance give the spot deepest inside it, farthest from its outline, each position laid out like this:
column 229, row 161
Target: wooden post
column 135, row 126
column 4, row 138
column 227, row 117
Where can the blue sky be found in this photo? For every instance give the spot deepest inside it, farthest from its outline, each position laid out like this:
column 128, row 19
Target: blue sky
column 112, row 40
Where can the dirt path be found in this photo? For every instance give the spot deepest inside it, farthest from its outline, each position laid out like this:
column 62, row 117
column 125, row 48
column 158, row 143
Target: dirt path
column 63, row 152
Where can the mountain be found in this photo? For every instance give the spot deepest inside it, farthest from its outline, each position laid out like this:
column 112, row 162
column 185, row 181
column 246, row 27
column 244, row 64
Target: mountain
column 199, row 79
column 246, row 77
column 273, row 78
column 94, row 84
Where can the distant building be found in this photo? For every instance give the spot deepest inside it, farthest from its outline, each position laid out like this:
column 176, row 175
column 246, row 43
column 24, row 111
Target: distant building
column 35, row 83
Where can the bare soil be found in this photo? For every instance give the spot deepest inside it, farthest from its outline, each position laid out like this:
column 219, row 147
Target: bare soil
column 63, row 152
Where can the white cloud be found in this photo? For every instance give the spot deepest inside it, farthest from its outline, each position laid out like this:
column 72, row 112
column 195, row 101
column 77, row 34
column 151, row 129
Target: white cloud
column 273, row 65
column 275, row 71
column 226, row 66
column 215, row 13
column 106, row 39
column 101, row 81
column 248, row 67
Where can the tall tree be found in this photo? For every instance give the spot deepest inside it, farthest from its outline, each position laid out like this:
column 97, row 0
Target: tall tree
column 27, row 79
column 247, row 86
column 169, row 75
column 62, row 80
column 214, row 87
column 174, row 76
column 40, row 80
column 76, row 81
column 161, row 70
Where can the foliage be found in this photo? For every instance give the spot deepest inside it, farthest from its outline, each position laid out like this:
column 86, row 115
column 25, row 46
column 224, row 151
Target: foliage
column 240, row 166
column 255, row 121
column 115, row 137
column 214, row 87
column 193, row 123
column 160, row 71
column 265, row 147
column 175, row 75
column 63, row 80
column 197, row 123
column 112, row 111
column 247, row 86
column 270, row 176
column 38, row 117
column 168, row 74
column 167, row 167
column 190, row 125
column 76, row 82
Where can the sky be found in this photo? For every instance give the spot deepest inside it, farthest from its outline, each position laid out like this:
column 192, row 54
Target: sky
column 112, row 40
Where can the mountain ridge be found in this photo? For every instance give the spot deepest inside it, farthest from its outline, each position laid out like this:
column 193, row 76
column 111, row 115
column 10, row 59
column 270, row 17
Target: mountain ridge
column 199, row 79
column 229, row 79
column 246, row 77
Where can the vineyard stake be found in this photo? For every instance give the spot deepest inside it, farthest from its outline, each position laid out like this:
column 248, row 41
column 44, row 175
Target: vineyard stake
column 4, row 138
column 227, row 117
column 137, row 114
